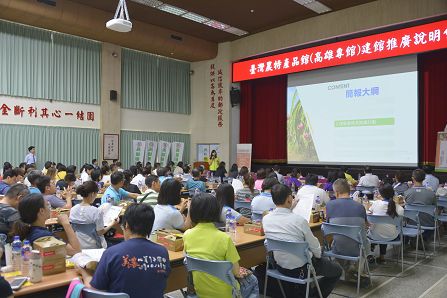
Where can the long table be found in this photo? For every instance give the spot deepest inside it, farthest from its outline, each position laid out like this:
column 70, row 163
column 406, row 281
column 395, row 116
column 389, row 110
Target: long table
column 250, row 247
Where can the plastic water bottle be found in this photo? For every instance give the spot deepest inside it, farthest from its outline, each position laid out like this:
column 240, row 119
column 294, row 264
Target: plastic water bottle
column 293, row 188
column 227, row 221
column 233, row 228
column 26, row 254
column 16, row 254
column 317, row 203
column 196, row 191
column 35, row 271
column 213, row 193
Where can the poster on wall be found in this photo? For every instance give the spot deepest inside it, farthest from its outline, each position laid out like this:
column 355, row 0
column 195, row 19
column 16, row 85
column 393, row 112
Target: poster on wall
column 111, row 146
column 138, row 148
column 441, row 152
column 163, row 152
column 177, row 151
column 243, row 155
column 151, row 151
column 203, row 151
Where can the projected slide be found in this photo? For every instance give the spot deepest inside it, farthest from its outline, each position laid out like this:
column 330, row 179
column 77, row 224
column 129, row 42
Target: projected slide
column 371, row 120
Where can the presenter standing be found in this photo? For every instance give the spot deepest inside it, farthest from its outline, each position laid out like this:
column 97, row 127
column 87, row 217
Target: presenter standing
column 31, row 158
column 213, row 161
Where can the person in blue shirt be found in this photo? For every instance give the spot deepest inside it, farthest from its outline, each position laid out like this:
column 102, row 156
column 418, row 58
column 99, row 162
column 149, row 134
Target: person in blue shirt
column 195, row 183
column 115, row 193
column 31, row 158
column 164, row 174
column 137, row 266
column 34, row 210
column 9, row 178
column 33, row 178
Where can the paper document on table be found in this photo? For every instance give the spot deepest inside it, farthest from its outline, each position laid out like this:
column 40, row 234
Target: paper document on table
column 88, row 258
column 304, row 206
column 110, row 213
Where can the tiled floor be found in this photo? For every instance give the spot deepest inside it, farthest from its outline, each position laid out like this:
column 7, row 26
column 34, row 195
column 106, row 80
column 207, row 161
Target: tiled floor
column 425, row 278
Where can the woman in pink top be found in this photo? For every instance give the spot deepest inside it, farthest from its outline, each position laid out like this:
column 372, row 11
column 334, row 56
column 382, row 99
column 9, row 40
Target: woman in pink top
column 260, row 176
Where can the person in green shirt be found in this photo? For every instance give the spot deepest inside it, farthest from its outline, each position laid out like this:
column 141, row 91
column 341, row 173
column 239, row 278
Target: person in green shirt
column 204, row 211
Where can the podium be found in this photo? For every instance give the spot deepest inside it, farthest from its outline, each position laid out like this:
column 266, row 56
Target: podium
column 197, row 164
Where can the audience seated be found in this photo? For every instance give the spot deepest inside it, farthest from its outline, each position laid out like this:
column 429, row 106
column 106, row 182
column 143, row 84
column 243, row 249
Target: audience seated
column 283, row 224
column 194, row 183
column 345, row 211
column 96, row 177
column 127, row 186
column 221, row 172
column 8, row 207
column 248, row 192
column 166, row 215
column 68, row 181
column 234, row 172
column 419, row 194
column 34, row 211
column 331, row 177
column 292, row 180
column 48, row 189
column 136, row 266
column 105, row 172
column 260, row 176
column 280, row 177
column 369, row 180
column 205, row 210
column 179, row 168
column 384, row 206
column 32, row 178
column 115, row 193
column 86, row 171
column 47, row 165
column 310, row 189
column 263, row 202
column 8, row 179
column 163, row 174
column 150, row 196
column 400, row 185
column 430, row 181
column 87, row 220
column 225, row 197
column 347, row 176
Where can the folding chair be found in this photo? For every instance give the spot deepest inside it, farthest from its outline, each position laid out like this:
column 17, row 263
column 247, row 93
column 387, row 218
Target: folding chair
column 413, row 231
column 397, row 221
column 89, row 293
column 431, row 211
column 220, row 269
column 352, row 232
column 299, row 249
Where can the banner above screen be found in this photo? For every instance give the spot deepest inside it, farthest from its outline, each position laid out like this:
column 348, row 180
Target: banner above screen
column 406, row 41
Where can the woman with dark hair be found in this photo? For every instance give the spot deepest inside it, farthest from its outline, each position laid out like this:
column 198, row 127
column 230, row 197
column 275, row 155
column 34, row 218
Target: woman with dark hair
column 213, row 162
column 127, row 185
column 221, row 172
column 331, row 177
column 225, row 197
column 233, row 171
column 167, row 216
column 260, row 176
column 400, row 185
column 87, row 220
column 86, row 171
column 205, row 241
column 385, row 206
column 248, row 192
column 34, row 211
column 293, row 179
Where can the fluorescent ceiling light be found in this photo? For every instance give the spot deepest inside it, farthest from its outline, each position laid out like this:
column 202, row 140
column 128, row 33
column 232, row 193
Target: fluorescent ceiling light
column 217, row 25
column 172, row 9
column 314, row 5
column 195, row 17
column 151, row 3
column 236, row 31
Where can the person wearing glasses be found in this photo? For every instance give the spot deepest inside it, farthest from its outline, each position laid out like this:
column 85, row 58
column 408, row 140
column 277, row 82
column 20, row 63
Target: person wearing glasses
column 8, row 207
column 137, row 266
column 34, row 210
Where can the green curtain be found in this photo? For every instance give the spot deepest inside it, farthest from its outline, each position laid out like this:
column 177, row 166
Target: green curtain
column 155, row 83
column 42, row 64
column 128, row 136
column 59, row 144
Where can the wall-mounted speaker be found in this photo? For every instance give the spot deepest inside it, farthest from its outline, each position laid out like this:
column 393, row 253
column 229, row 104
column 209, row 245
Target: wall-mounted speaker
column 113, row 95
column 235, row 96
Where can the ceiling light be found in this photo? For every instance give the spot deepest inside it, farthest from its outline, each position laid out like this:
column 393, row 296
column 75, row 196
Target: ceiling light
column 314, row 5
column 151, row 3
column 236, row 31
column 195, row 17
column 172, row 9
column 217, row 25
